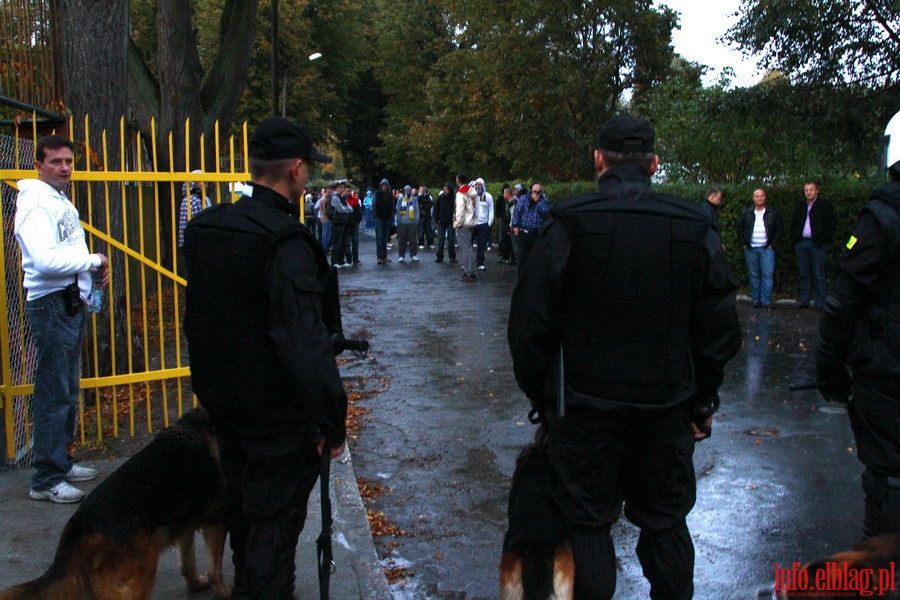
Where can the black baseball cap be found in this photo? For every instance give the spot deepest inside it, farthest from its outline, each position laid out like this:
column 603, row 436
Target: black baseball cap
column 277, row 138
column 627, row 135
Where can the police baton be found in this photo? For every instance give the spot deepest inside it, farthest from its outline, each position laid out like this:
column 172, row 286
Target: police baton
column 324, row 553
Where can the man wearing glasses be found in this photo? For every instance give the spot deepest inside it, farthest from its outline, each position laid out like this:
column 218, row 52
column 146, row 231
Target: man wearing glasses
column 529, row 215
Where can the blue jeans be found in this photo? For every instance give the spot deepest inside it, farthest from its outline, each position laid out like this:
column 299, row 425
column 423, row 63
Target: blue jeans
column 57, row 376
column 811, row 262
column 326, row 235
column 761, row 269
column 382, row 232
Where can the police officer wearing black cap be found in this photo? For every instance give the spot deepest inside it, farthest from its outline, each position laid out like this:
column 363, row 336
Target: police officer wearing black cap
column 259, row 322
column 620, row 326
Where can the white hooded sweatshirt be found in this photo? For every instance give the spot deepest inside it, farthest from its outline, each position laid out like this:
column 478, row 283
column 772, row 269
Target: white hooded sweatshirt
column 52, row 241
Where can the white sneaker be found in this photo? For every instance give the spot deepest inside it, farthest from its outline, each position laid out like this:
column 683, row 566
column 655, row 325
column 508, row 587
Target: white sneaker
column 79, row 473
column 421, row 246
column 482, row 268
column 415, row 259
column 401, row 259
column 61, row 493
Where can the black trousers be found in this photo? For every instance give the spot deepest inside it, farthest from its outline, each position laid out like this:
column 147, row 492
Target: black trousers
column 525, row 242
column 643, row 459
column 268, row 482
column 340, row 240
column 875, row 419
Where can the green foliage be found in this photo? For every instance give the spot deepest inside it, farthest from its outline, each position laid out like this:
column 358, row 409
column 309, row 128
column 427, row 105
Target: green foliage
column 824, row 41
column 513, row 87
column 419, row 89
column 775, row 131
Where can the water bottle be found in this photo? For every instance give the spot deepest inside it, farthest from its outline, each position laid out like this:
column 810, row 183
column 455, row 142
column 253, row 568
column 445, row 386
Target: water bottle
column 95, row 297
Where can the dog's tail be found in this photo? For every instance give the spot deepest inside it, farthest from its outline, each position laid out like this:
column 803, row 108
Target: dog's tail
column 60, row 581
column 537, row 573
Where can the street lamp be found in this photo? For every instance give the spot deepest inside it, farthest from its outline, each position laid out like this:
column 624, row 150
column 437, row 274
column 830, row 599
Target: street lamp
column 312, row 57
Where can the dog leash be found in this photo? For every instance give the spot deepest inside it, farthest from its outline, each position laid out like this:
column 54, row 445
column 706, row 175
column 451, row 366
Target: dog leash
column 323, row 543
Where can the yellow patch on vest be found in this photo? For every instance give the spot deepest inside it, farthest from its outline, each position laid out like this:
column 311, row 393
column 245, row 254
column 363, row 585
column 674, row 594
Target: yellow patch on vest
column 851, row 242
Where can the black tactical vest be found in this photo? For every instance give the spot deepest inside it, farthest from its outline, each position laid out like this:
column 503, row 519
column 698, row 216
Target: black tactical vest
column 882, row 316
column 633, row 273
column 233, row 361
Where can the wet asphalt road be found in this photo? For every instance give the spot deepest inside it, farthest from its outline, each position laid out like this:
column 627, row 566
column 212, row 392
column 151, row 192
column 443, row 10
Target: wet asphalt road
column 778, row 482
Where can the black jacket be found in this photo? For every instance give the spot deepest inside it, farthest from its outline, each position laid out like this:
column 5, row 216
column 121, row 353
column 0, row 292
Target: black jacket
column 771, row 220
column 713, row 211
column 636, row 287
column 259, row 320
column 384, row 205
column 446, row 206
column 821, row 222
column 860, row 325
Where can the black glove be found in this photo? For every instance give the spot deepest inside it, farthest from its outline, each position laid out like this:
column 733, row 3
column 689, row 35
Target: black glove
column 835, row 385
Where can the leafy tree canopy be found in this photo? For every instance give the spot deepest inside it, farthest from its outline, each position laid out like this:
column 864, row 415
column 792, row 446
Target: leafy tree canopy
column 824, row 41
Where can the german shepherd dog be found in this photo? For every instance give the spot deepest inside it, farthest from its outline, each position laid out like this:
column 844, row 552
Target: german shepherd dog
column 867, row 570
column 537, row 561
column 157, row 499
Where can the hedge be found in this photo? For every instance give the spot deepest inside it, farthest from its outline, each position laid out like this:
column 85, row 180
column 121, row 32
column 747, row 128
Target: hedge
column 847, row 197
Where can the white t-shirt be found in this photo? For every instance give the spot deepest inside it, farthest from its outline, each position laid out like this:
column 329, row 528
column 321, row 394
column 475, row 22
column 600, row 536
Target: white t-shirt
column 759, row 239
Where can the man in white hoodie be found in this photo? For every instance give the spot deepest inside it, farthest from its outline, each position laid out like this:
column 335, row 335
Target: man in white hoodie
column 57, row 267
column 483, row 223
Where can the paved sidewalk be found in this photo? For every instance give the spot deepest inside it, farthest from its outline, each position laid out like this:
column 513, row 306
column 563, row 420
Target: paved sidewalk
column 30, row 531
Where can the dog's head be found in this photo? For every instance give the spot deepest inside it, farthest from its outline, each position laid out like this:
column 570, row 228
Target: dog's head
column 197, row 423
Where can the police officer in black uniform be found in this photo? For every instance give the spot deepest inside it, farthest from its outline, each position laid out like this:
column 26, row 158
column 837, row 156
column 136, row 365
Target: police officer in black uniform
column 860, row 328
column 633, row 289
column 261, row 308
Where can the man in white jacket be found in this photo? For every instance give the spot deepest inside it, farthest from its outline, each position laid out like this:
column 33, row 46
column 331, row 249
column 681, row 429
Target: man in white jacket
column 483, row 223
column 464, row 223
column 57, row 267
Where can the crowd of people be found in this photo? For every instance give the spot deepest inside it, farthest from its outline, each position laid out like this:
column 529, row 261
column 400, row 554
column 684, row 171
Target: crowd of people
column 414, row 220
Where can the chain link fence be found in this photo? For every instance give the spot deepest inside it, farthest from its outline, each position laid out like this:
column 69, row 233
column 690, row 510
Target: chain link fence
column 21, row 347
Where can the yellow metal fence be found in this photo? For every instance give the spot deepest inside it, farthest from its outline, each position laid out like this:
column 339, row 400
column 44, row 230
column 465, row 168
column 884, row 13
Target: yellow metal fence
column 135, row 366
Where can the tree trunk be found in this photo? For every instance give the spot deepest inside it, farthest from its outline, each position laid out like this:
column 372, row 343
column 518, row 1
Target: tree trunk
column 183, row 91
column 94, row 42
